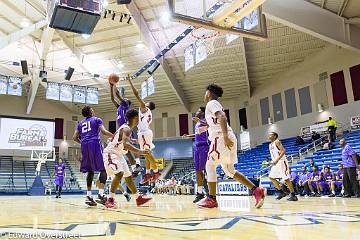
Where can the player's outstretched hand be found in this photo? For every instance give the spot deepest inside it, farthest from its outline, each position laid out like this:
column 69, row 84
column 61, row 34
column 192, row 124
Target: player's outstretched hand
column 228, row 142
column 196, row 119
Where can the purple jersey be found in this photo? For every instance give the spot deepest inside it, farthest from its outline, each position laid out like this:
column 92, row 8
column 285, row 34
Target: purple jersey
column 59, row 170
column 346, row 156
column 201, row 136
column 121, row 113
column 327, row 176
column 89, row 129
column 339, row 175
column 304, row 176
column 315, row 176
column 294, row 177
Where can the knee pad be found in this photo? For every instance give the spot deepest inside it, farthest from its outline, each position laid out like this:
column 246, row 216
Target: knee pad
column 211, row 171
column 89, row 178
column 229, row 169
column 103, row 177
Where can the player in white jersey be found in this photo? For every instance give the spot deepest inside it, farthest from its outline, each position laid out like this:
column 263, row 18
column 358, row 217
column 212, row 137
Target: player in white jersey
column 115, row 163
column 223, row 150
column 145, row 136
column 280, row 167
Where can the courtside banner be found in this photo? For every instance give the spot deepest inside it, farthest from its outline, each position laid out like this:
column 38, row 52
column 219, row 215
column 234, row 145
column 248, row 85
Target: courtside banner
column 26, row 134
column 232, row 188
column 355, row 122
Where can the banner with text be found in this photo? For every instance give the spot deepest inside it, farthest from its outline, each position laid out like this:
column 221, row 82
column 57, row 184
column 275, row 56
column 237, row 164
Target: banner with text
column 355, row 122
column 232, row 188
column 26, row 134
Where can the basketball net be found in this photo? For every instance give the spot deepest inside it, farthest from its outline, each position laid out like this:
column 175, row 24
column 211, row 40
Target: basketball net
column 205, row 36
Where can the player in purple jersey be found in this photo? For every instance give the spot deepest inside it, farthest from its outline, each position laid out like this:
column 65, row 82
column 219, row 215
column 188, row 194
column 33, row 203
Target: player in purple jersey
column 59, row 177
column 201, row 150
column 122, row 105
column 313, row 182
column 325, row 180
column 303, row 185
column 337, row 182
column 87, row 134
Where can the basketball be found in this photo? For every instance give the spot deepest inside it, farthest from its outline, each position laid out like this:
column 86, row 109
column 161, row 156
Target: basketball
column 113, row 78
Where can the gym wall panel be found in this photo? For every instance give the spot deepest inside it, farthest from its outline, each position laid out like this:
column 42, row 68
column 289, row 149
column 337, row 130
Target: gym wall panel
column 243, row 118
column 70, row 129
column 112, row 126
column 355, row 81
column 159, row 132
column 59, row 128
column 184, row 124
column 171, row 128
column 265, row 112
column 227, row 113
column 290, row 103
column 338, row 88
column 305, row 100
column 321, row 94
column 277, row 107
column 254, row 117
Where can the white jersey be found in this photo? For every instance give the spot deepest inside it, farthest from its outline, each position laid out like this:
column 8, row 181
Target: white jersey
column 115, row 146
column 275, row 151
column 145, row 119
column 214, row 130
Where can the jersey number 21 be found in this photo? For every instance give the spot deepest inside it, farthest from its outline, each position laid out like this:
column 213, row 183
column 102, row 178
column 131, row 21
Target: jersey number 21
column 85, row 127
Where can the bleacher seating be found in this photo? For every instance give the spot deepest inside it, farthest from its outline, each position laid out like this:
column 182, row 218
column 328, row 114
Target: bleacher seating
column 18, row 176
column 181, row 167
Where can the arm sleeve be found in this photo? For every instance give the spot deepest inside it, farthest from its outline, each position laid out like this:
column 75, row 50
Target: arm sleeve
column 99, row 122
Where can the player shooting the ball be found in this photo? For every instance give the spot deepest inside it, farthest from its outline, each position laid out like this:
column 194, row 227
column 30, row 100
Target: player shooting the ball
column 145, row 135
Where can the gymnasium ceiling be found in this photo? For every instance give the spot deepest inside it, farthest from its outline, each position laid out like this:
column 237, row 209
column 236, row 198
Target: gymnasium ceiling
column 113, row 41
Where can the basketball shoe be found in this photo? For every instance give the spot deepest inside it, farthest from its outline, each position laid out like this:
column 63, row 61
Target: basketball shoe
column 259, row 194
column 208, row 202
column 140, row 200
column 147, row 178
column 90, row 201
column 110, row 203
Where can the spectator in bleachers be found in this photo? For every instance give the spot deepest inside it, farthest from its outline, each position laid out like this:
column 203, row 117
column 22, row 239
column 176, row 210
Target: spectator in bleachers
column 314, row 182
column 315, row 136
column 303, row 185
column 266, row 163
column 332, row 129
column 337, row 182
column 350, row 163
column 299, row 140
column 326, row 177
column 328, row 145
column 310, row 165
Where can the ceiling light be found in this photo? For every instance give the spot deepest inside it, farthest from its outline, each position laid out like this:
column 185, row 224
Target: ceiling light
column 25, row 23
column 86, row 36
column 140, row 45
column 165, row 17
column 105, row 3
column 120, row 65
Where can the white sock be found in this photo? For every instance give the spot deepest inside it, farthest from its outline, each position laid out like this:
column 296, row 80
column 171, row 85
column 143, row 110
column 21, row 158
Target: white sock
column 200, row 189
column 133, row 167
column 88, row 193
column 333, row 192
column 147, row 171
column 137, row 160
column 125, row 194
column 342, row 191
column 101, row 192
column 136, row 194
column 156, row 170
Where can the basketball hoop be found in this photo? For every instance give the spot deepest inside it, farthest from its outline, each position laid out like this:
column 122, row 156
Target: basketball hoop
column 205, row 36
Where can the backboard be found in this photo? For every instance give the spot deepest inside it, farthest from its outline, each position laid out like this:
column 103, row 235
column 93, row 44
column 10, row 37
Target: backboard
column 237, row 17
column 43, row 155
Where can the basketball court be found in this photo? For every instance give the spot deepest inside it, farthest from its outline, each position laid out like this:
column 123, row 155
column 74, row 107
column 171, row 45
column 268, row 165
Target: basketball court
column 283, row 66
column 174, row 217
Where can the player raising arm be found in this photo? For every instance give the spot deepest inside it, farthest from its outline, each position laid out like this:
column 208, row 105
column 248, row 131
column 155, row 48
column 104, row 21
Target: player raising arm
column 122, row 105
column 145, row 135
